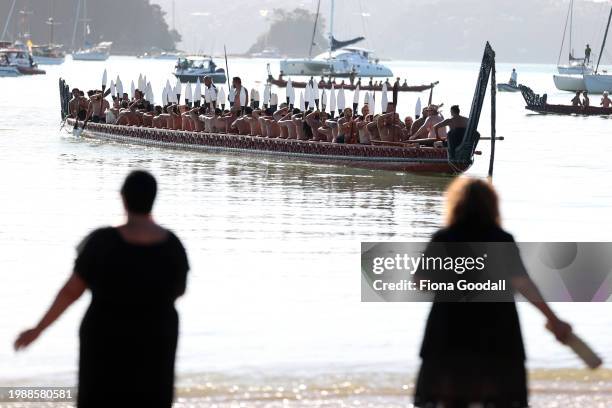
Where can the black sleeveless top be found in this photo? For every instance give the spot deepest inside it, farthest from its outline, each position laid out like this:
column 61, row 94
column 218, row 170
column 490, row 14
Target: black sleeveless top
column 129, row 332
column 483, row 330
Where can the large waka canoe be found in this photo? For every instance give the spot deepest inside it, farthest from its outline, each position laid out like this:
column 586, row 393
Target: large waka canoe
column 403, row 159
column 451, row 160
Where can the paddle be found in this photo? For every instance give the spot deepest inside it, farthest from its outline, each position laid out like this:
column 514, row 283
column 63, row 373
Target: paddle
column 227, row 69
column 104, row 79
column 582, row 350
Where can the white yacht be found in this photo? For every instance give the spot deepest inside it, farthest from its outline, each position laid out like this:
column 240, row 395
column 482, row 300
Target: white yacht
column 98, row 52
column 597, row 82
column 89, row 51
column 341, row 60
column 570, row 75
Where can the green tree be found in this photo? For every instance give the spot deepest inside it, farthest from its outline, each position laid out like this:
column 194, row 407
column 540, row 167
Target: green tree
column 291, row 32
column 133, row 26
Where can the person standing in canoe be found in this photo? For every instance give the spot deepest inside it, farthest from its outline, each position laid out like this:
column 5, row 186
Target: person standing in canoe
column 128, row 335
column 473, row 352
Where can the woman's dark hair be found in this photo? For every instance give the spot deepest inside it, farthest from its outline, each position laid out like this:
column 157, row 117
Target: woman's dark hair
column 472, row 202
column 138, row 191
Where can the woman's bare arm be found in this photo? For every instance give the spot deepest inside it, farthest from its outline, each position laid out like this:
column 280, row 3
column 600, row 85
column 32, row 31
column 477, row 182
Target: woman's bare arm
column 525, row 286
column 68, row 294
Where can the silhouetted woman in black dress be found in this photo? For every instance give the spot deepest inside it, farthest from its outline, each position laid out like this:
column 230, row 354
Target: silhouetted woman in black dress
column 473, row 352
column 129, row 334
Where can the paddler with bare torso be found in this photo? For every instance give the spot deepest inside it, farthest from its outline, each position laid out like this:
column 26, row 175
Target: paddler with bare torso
column 457, row 125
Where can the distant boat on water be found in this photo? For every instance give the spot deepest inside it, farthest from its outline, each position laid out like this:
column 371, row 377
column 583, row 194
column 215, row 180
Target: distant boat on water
column 17, row 57
column 190, row 69
column 159, row 54
column 267, row 52
column 99, row 52
column 89, row 51
column 570, row 76
column 341, row 60
column 596, row 82
column 50, row 54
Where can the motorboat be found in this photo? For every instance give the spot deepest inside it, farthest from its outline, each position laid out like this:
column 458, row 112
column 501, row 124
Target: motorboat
column 8, row 70
column 18, row 56
column 189, row 69
column 98, row 52
column 508, row 88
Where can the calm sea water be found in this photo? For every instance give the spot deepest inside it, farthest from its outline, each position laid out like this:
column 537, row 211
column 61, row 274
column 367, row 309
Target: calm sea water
column 273, row 305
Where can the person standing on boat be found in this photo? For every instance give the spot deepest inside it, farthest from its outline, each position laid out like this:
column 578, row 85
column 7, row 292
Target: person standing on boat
column 210, row 92
column 473, row 352
column 129, row 334
column 605, row 100
column 587, row 54
column 513, row 78
column 576, row 100
column 240, row 94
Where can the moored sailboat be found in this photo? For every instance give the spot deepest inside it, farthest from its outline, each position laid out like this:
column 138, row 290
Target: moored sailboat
column 89, row 51
column 570, row 76
column 50, row 53
column 341, row 60
column 596, row 82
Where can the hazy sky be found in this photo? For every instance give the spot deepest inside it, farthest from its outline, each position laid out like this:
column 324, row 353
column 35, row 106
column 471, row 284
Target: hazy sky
column 520, row 30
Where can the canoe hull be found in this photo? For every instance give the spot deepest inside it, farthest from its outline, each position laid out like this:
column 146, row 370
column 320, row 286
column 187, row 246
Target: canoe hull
column 412, row 160
column 571, row 110
column 281, row 83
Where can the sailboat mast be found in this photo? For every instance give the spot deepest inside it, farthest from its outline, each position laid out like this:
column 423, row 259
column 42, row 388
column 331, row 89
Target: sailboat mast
column 8, row 20
column 76, row 23
column 571, row 50
column 331, row 27
column 314, row 29
column 569, row 10
column 603, row 43
column 173, row 15
column 84, row 21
